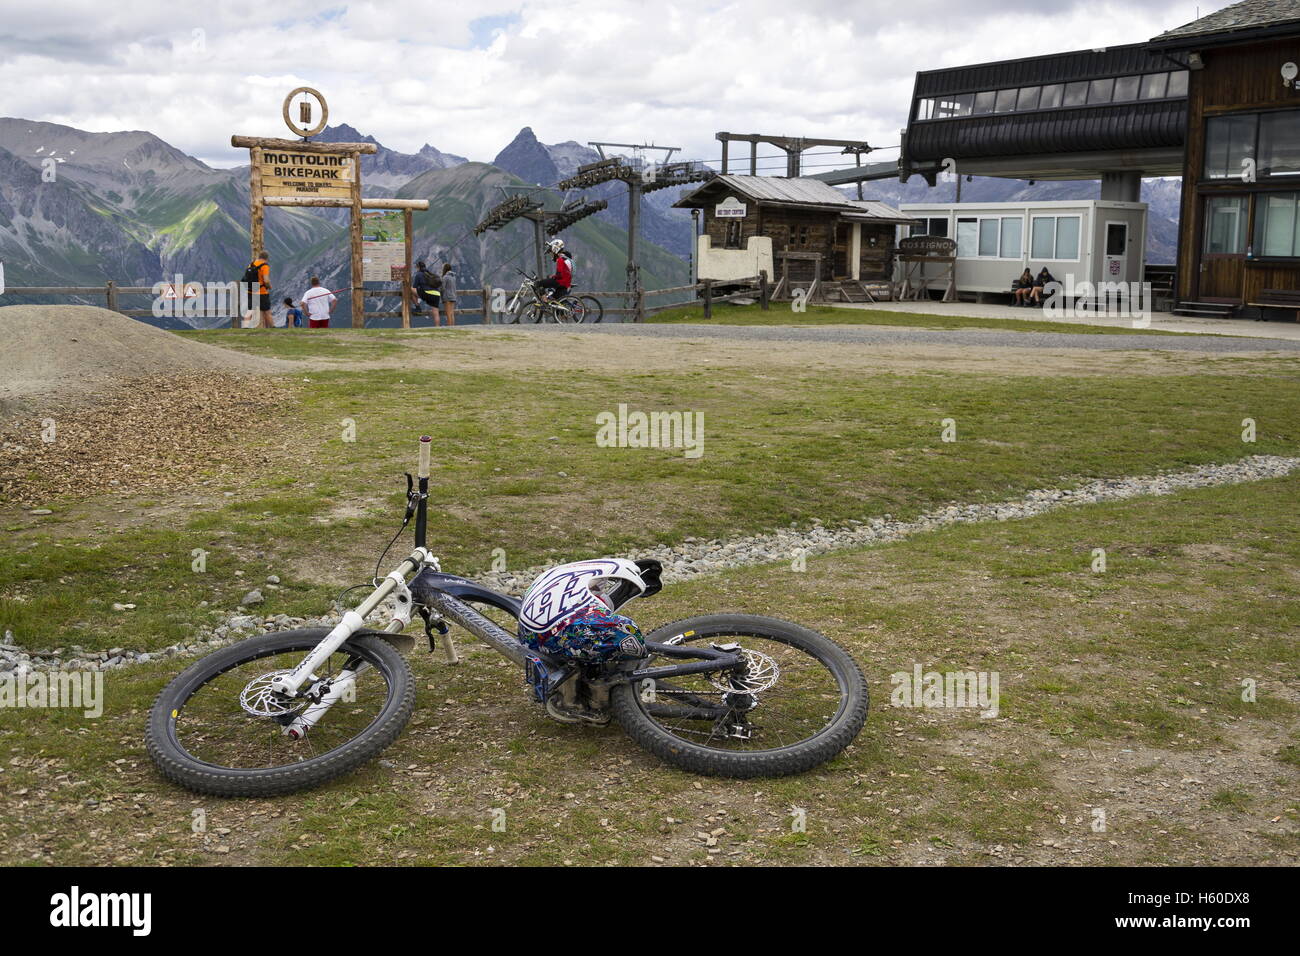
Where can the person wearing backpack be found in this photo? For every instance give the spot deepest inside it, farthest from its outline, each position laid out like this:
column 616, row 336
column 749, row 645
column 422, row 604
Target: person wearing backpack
column 259, row 272
column 428, row 289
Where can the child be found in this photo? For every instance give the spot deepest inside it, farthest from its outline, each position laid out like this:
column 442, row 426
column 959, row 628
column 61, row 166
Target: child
column 293, row 316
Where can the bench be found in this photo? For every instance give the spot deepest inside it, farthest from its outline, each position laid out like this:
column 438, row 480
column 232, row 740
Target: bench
column 1279, row 299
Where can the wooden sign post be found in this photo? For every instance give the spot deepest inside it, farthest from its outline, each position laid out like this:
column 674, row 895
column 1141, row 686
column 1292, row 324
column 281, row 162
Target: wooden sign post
column 286, row 172
column 914, row 254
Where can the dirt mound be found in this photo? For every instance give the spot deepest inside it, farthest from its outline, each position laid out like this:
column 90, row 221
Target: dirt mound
column 66, row 352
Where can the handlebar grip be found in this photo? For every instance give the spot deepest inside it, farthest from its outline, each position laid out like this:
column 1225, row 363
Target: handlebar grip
column 426, row 447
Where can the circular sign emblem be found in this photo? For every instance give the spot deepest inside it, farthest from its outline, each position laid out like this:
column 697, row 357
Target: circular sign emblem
column 304, row 127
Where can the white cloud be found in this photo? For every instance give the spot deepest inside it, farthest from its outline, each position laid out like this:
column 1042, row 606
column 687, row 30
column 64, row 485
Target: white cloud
column 408, row 72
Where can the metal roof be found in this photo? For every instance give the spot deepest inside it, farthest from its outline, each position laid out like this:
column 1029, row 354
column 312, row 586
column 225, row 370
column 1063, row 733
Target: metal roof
column 1248, row 15
column 875, row 209
column 794, row 192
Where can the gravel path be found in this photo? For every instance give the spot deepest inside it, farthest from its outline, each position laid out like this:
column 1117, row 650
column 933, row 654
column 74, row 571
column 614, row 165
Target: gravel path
column 694, row 557
column 890, row 335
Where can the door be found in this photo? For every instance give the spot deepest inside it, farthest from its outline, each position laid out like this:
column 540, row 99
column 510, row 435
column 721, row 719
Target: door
column 1116, row 265
column 840, row 252
column 1223, row 249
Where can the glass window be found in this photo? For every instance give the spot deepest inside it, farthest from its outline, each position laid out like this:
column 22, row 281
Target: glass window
column 967, row 238
column 938, row 226
column 1028, row 99
column 1177, row 83
column 1154, row 85
column 984, row 102
column 1067, row 237
column 1051, row 97
column 1126, row 88
column 1225, row 225
column 1228, row 141
column 1006, row 101
column 1042, row 238
column 1276, row 217
column 1054, row 237
column 956, row 105
column 1012, row 228
column 1076, row 94
column 1279, row 143
column 1100, row 91
column 923, row 108
column 1116, row 238
column 989, row 238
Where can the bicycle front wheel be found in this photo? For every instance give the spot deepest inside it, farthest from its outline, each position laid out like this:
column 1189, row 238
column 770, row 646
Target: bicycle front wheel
column 799, row 700
column 216, row 728
column 595, row 311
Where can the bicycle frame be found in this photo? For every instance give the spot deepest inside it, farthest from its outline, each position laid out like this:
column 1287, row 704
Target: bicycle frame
column 441, row 594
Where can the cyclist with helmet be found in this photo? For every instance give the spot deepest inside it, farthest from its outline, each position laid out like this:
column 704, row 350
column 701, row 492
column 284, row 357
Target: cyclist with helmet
column 571, row 611
column 563, row 278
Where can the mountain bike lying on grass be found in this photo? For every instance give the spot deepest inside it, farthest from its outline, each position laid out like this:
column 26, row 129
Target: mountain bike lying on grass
column 530, row 305
column 730, row 695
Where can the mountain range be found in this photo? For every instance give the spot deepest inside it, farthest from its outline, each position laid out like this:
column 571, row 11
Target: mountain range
column 79, row 208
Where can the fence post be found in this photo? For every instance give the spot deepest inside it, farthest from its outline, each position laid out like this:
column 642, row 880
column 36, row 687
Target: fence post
column 708, row 298
column 640, row 303
column 764, row 297
column 110, row 293
column 487, row 305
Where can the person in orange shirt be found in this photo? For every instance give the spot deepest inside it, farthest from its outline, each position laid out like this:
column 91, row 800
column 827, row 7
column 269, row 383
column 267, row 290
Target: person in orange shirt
column 264, row 287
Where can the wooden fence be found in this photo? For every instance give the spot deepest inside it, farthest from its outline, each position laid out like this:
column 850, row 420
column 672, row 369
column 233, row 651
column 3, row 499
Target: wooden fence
column 634, row 304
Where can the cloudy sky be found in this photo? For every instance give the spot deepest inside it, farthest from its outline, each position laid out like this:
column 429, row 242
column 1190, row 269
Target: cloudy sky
column 466, row 76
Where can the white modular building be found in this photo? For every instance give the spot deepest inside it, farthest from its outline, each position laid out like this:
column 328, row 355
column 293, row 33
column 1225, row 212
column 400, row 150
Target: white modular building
column 1089, row 240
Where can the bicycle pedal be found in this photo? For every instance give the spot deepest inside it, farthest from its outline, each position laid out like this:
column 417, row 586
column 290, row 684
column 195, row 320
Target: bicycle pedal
column 538, row 677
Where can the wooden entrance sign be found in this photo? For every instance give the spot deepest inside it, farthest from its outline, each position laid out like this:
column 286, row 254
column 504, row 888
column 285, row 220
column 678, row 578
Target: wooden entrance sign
column 914, row 254
column 287, row 172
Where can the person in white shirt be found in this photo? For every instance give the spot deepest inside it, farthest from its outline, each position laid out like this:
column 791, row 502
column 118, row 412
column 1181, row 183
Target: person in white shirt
column 318, row 302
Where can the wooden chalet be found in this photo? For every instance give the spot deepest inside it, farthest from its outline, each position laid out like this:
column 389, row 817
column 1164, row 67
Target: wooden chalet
column 833, row 247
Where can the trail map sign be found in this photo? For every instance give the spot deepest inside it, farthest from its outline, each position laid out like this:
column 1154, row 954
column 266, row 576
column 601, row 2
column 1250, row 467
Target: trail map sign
column 383, row 245
column 298, row 173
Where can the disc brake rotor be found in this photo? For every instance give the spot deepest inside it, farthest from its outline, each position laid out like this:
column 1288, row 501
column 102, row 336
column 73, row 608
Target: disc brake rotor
column 258, row 699
column 761, row 673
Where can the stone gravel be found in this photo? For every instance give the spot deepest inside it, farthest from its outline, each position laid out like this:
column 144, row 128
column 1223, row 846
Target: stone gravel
column 694, row 557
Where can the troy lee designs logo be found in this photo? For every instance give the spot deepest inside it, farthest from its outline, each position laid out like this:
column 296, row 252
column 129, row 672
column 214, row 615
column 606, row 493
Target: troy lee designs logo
column 559, row 592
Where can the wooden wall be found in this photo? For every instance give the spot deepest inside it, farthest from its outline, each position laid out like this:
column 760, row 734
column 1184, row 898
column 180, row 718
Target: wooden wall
column 1243, row 78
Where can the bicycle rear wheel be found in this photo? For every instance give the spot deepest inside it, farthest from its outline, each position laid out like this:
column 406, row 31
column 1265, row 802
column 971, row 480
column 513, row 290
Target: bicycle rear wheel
column 800, row 700
column 595, row 311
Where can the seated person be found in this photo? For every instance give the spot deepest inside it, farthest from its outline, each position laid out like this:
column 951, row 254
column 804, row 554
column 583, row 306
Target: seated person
column 292, row 316
column 1022, row 287
column 1040, row 283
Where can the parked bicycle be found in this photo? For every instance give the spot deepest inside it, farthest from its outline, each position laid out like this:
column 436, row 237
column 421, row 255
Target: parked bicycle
column 530, row 304
column 732, row 695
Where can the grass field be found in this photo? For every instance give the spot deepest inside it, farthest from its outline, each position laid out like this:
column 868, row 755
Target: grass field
column 1120, row 691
